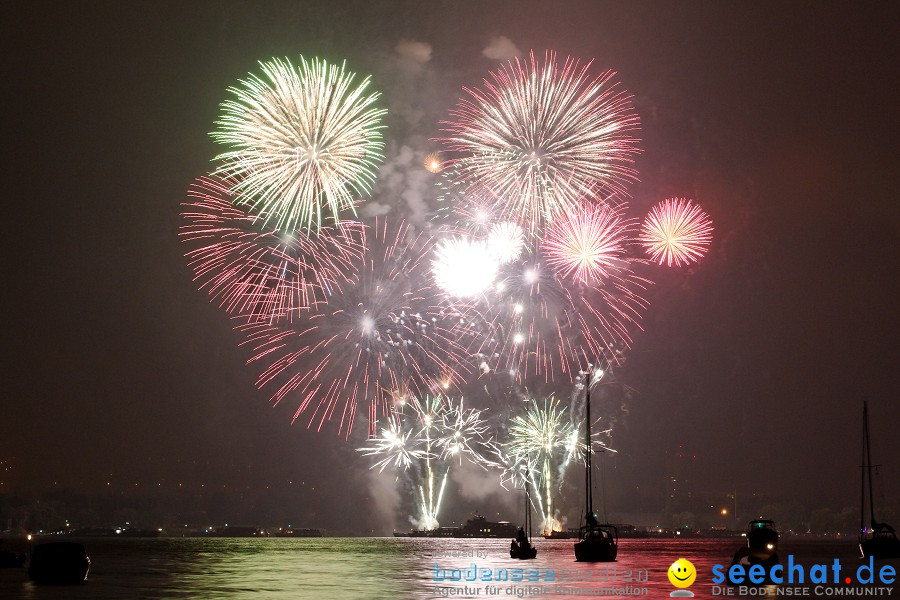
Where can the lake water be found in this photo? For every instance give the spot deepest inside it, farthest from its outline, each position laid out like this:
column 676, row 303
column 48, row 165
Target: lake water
column 393, row 568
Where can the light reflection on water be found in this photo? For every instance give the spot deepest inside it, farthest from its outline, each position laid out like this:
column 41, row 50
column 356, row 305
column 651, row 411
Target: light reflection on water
column 351, row 568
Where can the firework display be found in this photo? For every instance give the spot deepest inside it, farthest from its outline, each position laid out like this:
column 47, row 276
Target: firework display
column 262, row 275
column 386, row 331
column 588, row 243
column 676, row 231
column 539, row 324
column 528, row 272
column 305, row 142
column 548, row 305
column 394, row 445
column 541, row 442
column 541, row 135
column 427, row 437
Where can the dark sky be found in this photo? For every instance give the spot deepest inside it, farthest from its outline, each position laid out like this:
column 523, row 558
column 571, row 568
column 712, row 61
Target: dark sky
column 779, row 118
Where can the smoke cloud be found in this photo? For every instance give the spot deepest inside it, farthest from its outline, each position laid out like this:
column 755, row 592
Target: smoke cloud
column 384, row 497
column 501, row 48
column 405, row 177
column 419, row 52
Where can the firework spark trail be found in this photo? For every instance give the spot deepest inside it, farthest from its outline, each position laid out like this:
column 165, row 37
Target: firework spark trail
column 306, row 142
column 429, row 413
column 394, row 445
column 262, row 275
column 538, row 440
column 676, row 232
column 431, row 434
column 448, row 431
column 539, row 136
column 463, row 433
column 386, row 331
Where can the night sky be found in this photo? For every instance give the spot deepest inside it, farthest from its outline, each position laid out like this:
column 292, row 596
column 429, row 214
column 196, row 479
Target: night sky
column 779, row 118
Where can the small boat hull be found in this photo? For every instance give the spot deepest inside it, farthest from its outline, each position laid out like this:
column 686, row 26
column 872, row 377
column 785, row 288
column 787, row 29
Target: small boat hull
column 591, row 551
column 59, row 563
column 598, row 543
column 523, row 553
column 880, row 547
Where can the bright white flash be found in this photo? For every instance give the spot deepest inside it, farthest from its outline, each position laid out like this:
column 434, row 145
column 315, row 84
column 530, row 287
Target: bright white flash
column 463, row 267
column 505, row 241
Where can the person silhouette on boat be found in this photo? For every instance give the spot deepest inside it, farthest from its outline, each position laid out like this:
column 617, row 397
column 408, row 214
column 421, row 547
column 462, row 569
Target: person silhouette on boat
column 521, row 541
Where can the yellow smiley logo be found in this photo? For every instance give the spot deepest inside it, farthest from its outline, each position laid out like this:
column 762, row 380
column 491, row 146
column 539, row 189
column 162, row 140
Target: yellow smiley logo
column 682, row 573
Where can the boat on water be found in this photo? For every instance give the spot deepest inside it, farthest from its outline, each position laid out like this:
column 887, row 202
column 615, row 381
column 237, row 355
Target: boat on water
column 439, row 532
column 560, row 535
column 878, row 540
column 521, row 547
column 596, row 542
column 59, row 563
column 762, row 538
column 476, row 527
column 761, row 549
column 479, row 527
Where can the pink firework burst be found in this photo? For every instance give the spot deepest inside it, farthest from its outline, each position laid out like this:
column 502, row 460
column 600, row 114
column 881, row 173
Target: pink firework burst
column 384, row 334
column 540, row 135
column 588, row 243
column 676, row 231
column 261, row 274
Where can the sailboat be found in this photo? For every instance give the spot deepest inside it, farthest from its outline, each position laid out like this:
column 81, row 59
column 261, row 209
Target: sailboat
column 521, row 547
column 879, row 540
column 596, row 542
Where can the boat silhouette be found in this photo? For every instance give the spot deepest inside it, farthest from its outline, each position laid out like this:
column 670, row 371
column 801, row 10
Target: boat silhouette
column 521, row 547
column 878, row 540
column 597, row 542
column 761, row 549
column 59, row 563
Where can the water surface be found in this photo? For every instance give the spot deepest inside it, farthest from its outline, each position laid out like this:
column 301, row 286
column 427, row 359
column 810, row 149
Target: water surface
column 389, row 568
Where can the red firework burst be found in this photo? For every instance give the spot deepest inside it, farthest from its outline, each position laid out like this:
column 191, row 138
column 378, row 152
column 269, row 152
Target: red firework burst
column 262, row 275
column 385, row 333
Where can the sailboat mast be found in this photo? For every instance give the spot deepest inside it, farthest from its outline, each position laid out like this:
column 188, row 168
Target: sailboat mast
column 869, row 462
column 588, row 492
column 862, row 471
column 527, row 513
